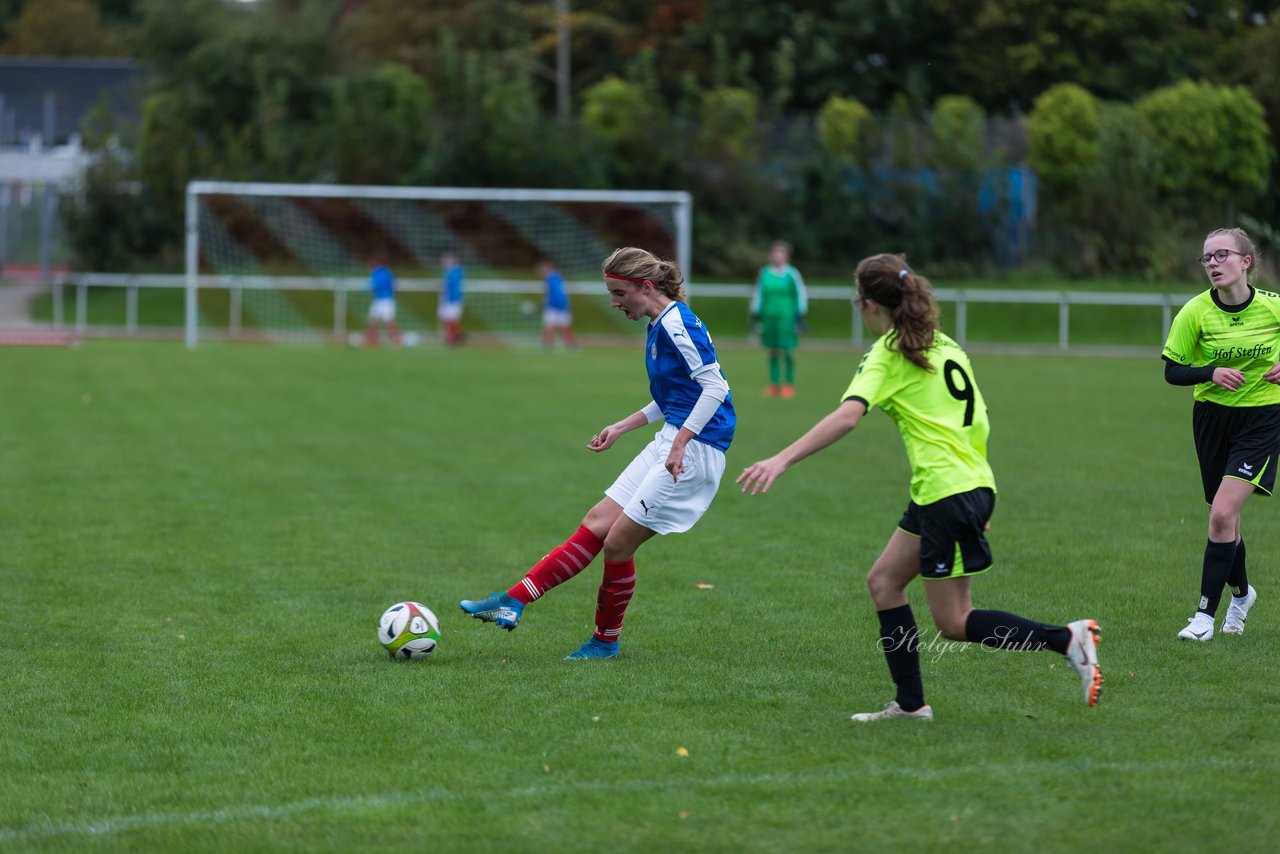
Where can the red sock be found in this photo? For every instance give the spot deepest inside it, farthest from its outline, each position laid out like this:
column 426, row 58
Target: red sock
column 564, row 562
column 614, row 597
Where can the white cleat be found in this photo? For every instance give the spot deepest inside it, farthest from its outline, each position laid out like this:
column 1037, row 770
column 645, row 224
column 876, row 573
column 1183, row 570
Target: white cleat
column 893, row 710
column 1082, row 655
column 1199, row 628
column 1233, row 624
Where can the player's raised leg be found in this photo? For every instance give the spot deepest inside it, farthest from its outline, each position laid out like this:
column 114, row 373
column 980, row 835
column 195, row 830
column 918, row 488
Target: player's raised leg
column 556, row 567
column 957, row 619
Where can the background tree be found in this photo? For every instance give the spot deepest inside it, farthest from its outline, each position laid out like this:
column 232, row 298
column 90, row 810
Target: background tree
column 60, row 28
column 843, row 127
column 631, row 125
column 1211, row 147
column 965, row 194
column 1259, row 69
column 382, row 127
column 1062, row 135
column 808, row 120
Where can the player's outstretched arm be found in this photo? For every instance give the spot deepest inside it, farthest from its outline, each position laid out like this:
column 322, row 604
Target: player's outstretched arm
column 759, row 476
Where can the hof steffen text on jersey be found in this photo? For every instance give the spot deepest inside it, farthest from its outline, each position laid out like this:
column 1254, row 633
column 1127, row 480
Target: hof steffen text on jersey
column 1244, row 337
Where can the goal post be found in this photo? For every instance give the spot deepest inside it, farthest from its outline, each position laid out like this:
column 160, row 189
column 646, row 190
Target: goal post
column 291, row 261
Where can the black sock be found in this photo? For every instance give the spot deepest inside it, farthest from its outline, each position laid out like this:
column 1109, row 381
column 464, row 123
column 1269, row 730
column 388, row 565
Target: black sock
column 1238, row 579
column 1218, row 560
column 1002, row 630
column 900, row 640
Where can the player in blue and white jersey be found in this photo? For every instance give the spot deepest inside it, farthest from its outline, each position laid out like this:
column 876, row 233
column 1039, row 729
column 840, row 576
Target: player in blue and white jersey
column 670, row 484
column 555, row 307
column 449, row 312
column 382, row 307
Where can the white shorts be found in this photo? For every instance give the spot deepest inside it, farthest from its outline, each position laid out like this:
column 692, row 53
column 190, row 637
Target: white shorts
column 449, row 311
column 650, row 498
column 383, row 309
column 556, row 317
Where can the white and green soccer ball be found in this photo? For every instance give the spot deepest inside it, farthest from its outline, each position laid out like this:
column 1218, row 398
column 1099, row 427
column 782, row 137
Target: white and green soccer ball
column 408, row 630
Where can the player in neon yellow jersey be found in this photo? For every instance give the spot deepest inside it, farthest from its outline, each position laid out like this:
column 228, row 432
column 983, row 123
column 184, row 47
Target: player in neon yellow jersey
column 778, row 309
column 1224, row 342
column 924, row 381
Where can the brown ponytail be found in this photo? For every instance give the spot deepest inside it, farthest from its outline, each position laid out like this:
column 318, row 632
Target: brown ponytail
column 913, row 312
column 633, row 263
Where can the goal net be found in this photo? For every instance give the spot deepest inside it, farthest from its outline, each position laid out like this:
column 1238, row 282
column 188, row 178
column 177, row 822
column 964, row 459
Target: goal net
column 292, row 261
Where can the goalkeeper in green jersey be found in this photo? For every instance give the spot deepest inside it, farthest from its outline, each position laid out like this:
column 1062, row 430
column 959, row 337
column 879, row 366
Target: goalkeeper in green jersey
column 778, row 309
column 1225, row 343
column 924, row 381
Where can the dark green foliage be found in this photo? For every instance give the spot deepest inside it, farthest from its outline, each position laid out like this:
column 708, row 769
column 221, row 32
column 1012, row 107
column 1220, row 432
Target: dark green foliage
column 843, row 127
column 809, row 121
column 632, row 127
column 381, row 123
column 1062, row 132
column 1211, row 146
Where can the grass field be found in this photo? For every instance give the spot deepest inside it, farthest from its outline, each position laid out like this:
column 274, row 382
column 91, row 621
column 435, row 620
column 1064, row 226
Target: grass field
column 195, row 548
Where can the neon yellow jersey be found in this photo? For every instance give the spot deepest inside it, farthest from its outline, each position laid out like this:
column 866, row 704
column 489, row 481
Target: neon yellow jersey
column 1205, row 333
column 940, row 413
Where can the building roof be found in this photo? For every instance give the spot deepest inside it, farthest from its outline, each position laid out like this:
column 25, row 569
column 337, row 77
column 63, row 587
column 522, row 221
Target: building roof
column 75, row 87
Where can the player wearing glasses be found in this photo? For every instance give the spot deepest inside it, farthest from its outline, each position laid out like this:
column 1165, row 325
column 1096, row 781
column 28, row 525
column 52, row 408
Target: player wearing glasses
column 1224, row 342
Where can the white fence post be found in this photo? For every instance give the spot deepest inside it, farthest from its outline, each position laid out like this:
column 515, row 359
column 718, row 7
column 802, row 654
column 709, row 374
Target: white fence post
column 1064, row 321
column 82, row 306
column 339, row 312
column 234, row 310
column 962, row 319
column 192, row 302
column 131, row 309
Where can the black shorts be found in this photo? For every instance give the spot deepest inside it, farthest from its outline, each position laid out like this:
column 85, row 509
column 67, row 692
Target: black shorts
column 1240, row 442
column 952, row 532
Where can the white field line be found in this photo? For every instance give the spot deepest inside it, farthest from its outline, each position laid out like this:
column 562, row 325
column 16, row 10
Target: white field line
column 51, row 827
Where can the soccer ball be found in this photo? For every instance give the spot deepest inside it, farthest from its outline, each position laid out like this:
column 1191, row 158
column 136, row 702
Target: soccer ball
column 411, row 339
column 408, row 630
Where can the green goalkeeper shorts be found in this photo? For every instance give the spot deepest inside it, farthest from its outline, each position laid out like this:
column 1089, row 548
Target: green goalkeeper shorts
column 778, row 331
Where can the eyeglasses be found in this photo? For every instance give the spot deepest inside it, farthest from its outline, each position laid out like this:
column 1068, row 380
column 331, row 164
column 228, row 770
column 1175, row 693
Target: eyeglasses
column 1219, row 256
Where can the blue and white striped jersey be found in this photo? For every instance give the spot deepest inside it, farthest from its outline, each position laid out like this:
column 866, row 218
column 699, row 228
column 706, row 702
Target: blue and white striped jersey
column 677, row 350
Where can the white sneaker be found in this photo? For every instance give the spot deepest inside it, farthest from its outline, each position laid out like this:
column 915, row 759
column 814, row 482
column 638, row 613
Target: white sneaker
column 1199, row 628
column 1082, row 655
column 893, row 710
column 1233, row 624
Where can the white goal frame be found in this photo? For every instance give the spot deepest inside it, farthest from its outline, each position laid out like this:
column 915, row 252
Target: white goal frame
column 681, row 202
